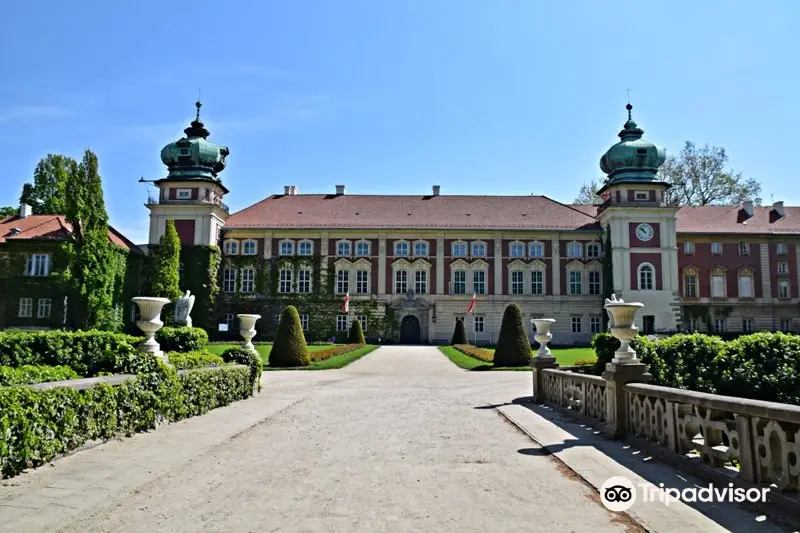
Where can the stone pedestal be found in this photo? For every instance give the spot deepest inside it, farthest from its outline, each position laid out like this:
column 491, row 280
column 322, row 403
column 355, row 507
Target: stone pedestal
column 617, row 375
column 538, row 364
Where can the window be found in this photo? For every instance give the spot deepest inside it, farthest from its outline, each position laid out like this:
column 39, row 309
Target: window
column 232, row 248
column 478, row 249
column 690, row 285
column 25, row 307
column 285, row 281
column 420, row 282
column 305, row 248
column 401, row 248
column 744, row 248
column 400, row 281
column 745, row 284
column 516, row 249
column 229, row 280
column 287, row 248
column 248, row 280
column 648, row 324
column 420, row 249
column 479, row 324
column 362, row 249
column 304, row 281
column 716, row 248
column 44, row 307
column 459, row 282
column 574, row 249
column 362, row 281
column 575, row 282
column 304, row 322
column 786, row 324
column 38, row 265
column 642, row 196
column 688, row 247
column 249, row 247
column 459, row 249
column 575, row 323
column 783, row 288
column 718, row 285
column 594, row 324
column 594, row 282
column 646, row 277
column 691, row 324
column 536, row 249
column 342, row 281
column 343, row 248
column 783, row 268
column 719, row 325
column 363, row 320
column 747, row 325
column 517, row 282
column 229, row 320
column 537, row 282
column 781, row 248
column 593, row 250
column 341, row 323
column 183, row 194
column 479, row 281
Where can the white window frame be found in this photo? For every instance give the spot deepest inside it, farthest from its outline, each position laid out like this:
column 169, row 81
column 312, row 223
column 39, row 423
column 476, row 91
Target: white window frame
column 361, row 244
column 248, row 277
column 342, row 280
column 421, row 248
column 746, row 273
column 716, row 248
column 718, row 272
column 516, row 249
column 482, row 285
column 344, row 248
column 459, row 283
column 642, row 196
column 640, row 270
column 786, row 325
column 720, row 325
column 536, row 249
column 342, row 323
column 783, row 268
column 285, row 280
column 457, row 246
column 252, row 244
column 286, row 247
column 183, row 194
column 475, row 249
column 309, row 248
column 574, row 288
column 593, row 250
column 25, row 309
column 576, row 324
column 744, row 248
column 304, row 285
column 304, row 322
column 690, row 272
column 516, row 287
column 784, row 289
column 364, row 322
column 688, row 247
column 362, row 285
column 595, row 324
column 44, row 308
column 231, row 247
column 421, row 282
column 535, row 283
column 229, row 320
column 37, row 265
column 574, row 250
column 402, row 243
column 478, row 324
column 747, row 325
column 598, row 283
column 229, row 280
column 400, row 280
column 781, row 248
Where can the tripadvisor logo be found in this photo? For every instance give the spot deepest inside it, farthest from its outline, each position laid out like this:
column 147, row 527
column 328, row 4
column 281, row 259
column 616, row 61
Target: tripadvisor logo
column 619, row 494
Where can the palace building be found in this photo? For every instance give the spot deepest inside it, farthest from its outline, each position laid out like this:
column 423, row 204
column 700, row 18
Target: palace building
column 412, row 263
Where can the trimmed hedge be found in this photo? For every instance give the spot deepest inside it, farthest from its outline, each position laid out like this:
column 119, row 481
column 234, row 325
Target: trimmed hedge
column 246, row 357
column 29, row 374
column 477, row 353
column 196, row 359
column 181, row 339
column 513, row 346
column 459, row 334
column 289, row 348
column 356, row 333
column 204, row 389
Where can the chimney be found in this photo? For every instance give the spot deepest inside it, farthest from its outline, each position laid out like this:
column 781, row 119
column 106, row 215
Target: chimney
column 747, row 205
column 340, row 190
column 778, row 208
column 436, row 189
column 25, row 211
column 295, row 190
column 290, row 190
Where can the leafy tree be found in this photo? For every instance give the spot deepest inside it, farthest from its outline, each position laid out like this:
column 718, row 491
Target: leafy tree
column 513, row 346
column 289, row 348
column 699, row 177
column 459, row 334
column 167, row 259
column 356, row 333
column 8, row 211
column 587, row 194
column 47, row 194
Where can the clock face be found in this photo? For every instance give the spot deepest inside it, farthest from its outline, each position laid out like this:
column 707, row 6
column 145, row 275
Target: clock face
column 644, row 232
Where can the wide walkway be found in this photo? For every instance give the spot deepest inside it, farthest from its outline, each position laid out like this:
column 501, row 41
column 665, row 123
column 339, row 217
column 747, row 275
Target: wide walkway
column 401, row 440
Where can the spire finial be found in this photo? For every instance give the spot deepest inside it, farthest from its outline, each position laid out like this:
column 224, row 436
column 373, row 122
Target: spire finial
column 198, row 104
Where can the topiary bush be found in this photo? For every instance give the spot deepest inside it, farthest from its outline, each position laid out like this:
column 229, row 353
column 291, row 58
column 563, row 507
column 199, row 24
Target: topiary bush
column 513, row 346
column 459, row 334
column 181, row 339
column 289, row 348
column 195, row 359
column 356, row 333
column 246, row 357
column 29, row 374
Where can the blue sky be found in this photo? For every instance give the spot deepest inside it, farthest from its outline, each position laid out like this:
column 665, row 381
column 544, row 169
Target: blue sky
column 503, row 97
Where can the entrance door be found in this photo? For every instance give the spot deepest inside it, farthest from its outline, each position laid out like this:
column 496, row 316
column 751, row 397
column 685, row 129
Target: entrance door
column 648, row 324
column 410, row 330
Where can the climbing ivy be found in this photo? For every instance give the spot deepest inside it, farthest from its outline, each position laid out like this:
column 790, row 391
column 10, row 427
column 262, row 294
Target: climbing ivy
column 608, row 273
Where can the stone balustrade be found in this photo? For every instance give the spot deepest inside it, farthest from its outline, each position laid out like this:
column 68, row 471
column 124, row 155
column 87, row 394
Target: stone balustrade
column 582, row 393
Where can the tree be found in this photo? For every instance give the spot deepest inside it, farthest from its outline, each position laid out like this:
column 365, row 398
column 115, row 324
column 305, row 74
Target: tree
column 289, row 348
column 356, row 333
column 699, row 177
column 587, row 194
column 93, row 262
column 459, row 333
column 8, row 211
column 47, row 194
column 513, row 346
column 167, row 262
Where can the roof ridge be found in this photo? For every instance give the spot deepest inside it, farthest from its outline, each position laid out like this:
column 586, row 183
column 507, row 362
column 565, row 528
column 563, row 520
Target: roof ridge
column 242, row 210
column 42, row 223
column 568, row 206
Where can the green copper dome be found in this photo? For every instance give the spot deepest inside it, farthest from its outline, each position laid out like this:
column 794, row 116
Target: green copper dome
column 193, row 156
column 632, row 158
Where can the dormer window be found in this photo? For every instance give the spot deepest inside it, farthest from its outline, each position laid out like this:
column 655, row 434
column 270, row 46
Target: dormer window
column 183, row 194
column 642, row 196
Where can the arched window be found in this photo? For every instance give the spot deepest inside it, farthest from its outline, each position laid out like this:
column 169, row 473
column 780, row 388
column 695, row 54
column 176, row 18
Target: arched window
column 231, row 247
column 593, row 250
column 343, row 248
column 362, row 248
column 536, row 249
column 745, row 283
column 647, row 277
column 421, row 249
column 249, row 247
column 401, row 248
column 516, row 249
column 287, row 248
column 478, row 249
column 305, row 248
column 574, row 249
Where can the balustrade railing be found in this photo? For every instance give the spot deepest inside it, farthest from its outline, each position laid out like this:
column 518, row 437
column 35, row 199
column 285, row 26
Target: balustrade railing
column 581, row 393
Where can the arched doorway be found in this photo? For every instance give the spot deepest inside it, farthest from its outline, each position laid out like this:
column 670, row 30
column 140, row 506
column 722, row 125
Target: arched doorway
column 410, row 332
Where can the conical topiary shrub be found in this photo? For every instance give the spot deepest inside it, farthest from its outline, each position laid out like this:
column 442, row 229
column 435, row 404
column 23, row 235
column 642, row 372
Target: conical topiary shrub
column 356, row 333
column 459, row 334
column 513, row 346
column 289, row 348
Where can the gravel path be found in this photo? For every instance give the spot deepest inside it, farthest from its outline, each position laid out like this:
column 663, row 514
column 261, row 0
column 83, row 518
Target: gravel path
column 401, row 440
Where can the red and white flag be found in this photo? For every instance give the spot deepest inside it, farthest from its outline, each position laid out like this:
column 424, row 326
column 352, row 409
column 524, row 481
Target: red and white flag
column 346, row 306
column 472, row 304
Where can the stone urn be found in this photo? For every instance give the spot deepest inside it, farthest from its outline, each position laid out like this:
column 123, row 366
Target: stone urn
column 149, row 322
column 622, row 317
column 543, row 336
column 247, row 329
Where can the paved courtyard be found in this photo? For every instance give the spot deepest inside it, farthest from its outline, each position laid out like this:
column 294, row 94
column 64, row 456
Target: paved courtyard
column 401, row 440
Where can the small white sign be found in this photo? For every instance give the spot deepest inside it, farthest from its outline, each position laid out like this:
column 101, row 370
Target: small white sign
column 223, row 327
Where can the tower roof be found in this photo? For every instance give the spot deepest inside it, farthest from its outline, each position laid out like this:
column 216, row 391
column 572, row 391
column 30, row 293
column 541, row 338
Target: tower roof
column 632, row 159
column 193, row 156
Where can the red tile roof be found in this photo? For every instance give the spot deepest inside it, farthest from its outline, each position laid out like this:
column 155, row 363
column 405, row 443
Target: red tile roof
column 53, row 227
column 417, row 212
column 721, row 219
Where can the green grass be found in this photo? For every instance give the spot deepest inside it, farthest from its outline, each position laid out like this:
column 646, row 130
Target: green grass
column 338, row 361
column 564, row 357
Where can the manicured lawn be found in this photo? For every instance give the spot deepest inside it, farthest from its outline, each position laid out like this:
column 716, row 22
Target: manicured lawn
column 564, row 356
column 568, row 356
column 338, row 361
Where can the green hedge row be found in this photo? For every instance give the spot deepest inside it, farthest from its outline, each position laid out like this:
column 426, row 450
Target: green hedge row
column 28, row 374
column 181, row 339
column 761, row 366
column 195, row 359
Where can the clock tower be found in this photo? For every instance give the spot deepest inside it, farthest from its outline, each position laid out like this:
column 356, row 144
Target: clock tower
column 641, row 229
